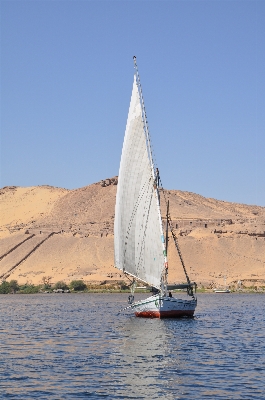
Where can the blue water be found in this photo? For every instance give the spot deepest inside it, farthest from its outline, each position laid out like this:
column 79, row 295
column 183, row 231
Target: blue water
column 77, row 346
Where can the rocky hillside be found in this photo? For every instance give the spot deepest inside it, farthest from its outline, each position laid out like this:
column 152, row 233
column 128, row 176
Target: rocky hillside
column 68, row 234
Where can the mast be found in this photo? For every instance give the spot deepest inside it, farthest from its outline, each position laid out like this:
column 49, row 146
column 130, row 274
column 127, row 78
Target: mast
column 155, row 175
column 167, row 225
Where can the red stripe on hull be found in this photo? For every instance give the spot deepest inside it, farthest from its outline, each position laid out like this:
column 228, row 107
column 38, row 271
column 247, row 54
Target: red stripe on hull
column 165, row 314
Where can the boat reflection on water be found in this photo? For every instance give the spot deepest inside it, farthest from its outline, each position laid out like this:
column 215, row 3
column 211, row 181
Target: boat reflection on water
column 144, row 359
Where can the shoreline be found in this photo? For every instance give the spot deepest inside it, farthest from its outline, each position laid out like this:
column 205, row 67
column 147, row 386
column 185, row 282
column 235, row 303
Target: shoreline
column 109, row 291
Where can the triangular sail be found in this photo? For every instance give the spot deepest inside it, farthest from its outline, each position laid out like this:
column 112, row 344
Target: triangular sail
column 137, row 229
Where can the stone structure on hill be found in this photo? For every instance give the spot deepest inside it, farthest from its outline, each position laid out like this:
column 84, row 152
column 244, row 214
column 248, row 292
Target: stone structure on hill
column 109, row 181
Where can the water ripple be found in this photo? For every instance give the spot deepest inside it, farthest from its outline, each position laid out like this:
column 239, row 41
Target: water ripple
column 78, row 346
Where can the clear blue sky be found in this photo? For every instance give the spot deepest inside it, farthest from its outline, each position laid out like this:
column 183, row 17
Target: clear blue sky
column 67, row 74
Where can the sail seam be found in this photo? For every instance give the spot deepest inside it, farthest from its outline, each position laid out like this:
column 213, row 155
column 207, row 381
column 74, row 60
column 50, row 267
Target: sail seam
column 144, row 235
column 140, row 196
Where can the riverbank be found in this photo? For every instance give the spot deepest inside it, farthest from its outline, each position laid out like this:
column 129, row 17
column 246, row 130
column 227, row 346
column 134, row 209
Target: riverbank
column 78, row 286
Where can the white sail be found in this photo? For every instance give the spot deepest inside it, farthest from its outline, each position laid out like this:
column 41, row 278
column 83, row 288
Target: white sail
column 137, row 229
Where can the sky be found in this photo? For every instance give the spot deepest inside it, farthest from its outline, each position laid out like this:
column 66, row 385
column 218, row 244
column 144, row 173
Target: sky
column 66, row 82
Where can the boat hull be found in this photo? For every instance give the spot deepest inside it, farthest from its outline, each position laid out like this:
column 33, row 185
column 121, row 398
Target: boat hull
column 164, row 307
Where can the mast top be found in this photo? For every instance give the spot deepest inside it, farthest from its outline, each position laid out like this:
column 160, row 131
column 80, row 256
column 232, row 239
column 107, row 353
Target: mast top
column 134, row 60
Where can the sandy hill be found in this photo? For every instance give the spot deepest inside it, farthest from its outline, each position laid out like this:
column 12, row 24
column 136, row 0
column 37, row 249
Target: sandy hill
column 68, row 234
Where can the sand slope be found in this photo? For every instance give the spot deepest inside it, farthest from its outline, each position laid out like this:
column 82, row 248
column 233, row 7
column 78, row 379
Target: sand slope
column 68, row 234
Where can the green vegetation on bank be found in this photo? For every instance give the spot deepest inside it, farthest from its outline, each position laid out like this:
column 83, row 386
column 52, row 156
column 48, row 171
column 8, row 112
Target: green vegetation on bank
column 79, row 286
column 75, row 286
column 14, row 287
column 61, row 285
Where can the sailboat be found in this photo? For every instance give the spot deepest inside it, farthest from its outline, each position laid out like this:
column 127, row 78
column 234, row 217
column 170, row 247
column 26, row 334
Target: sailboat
column 140, row 246
column 224, row 289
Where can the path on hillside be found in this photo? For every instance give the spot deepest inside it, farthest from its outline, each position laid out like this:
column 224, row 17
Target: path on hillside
column 19, row 253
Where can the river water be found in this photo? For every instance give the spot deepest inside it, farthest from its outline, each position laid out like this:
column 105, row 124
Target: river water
column 77, row 346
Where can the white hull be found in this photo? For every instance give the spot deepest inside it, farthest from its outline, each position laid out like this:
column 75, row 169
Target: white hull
column 164, row 307
column 222, row 291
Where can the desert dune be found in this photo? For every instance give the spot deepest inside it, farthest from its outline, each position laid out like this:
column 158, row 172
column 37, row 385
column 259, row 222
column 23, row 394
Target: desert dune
column 68, row 234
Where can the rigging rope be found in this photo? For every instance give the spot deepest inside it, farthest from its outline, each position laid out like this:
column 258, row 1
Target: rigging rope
column 190, row 288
